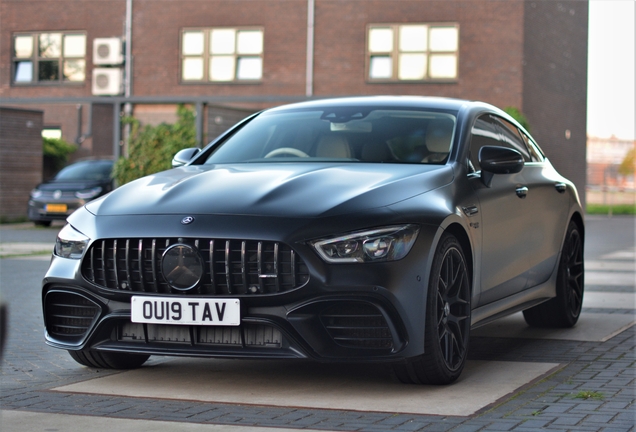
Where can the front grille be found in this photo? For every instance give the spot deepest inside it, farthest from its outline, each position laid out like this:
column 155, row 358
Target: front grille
column 68, row 315
column 230, row 267
column 357, row 325
column 50, row 194
column 248, row 335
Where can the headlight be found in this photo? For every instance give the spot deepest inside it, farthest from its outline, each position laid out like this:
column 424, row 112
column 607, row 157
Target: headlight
column 70, row 243
column 36, row 193
column 88, row 193
column 382, row 244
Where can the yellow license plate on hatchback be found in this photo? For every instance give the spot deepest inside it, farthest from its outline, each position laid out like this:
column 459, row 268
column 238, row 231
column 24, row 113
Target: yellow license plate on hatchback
column 56, row 208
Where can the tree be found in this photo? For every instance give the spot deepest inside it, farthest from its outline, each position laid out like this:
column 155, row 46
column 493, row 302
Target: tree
column 626, row 167
column 55, row 152
column 151, row 148
column 518, row 115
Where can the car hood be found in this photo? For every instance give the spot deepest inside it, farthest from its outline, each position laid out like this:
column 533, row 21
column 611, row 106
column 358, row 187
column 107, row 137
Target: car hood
column 69, row 185
column 272, row 189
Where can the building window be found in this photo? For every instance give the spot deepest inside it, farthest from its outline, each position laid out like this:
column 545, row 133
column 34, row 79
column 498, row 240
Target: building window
column 53, row 132
column 222, row 55
column 412, row 52
column 49, row 58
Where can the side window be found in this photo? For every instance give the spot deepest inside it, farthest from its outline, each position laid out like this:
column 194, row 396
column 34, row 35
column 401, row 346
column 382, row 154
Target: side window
column 484, row 133
column 511, row 138
column 490, row 130
column 535, row 152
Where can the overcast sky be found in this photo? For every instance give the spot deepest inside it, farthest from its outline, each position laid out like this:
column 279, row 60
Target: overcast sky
column 611, row 103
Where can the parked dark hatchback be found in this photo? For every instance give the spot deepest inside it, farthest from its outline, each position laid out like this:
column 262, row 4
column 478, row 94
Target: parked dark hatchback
column 72, row 187
column 359, row 229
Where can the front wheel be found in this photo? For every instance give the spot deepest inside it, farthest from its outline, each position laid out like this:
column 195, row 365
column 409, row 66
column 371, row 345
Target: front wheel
column 447, row 321
column 564, row 309
column 108, row 359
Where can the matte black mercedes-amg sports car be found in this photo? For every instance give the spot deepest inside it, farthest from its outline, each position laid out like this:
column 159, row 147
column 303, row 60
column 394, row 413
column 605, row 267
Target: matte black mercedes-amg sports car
column 358, row 229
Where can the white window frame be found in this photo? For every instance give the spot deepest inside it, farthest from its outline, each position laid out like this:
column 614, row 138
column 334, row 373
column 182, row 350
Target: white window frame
column 230, row 61
column 393, row 58
column 62, row 58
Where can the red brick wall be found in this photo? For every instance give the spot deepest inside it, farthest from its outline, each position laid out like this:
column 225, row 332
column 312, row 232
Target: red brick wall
column 530, row 54
column 20, row 159
column 555, row 83
column 490, row 58
column 156, row 32
column 98, row 18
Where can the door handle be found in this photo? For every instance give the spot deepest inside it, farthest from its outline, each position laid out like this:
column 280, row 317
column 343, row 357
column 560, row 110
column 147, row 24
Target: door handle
column 522, row 192
column 560, row 187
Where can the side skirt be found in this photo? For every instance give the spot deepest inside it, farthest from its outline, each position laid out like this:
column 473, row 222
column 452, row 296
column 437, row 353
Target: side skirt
column 515, row 303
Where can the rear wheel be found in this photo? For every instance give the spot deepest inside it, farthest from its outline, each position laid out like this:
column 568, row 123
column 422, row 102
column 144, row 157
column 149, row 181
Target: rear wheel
column 564, row 309
column 42, row 223
column 108, row 359
column 447, row 320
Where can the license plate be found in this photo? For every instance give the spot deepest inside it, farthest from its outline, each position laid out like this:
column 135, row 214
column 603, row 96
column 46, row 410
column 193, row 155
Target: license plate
column 185, row 311
column 56, row 208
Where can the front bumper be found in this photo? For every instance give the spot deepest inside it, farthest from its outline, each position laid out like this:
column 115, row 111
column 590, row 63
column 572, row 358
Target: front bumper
column 357, row 312
column 37, row 210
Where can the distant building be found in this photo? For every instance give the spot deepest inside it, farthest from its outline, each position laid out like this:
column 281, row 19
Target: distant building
column 604, row 157
column 81, row 61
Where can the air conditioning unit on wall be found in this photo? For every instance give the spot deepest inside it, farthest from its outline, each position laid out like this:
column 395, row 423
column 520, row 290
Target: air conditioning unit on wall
column 107, row 81
column 107, row 51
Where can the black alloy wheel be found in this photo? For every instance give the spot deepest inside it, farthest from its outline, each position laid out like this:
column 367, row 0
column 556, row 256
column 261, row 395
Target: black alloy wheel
column 564, row 309
column 453, row 309
column 448, row 315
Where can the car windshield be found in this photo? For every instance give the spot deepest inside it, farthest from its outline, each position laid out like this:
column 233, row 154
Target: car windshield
column 357, row 134
column 88, row 170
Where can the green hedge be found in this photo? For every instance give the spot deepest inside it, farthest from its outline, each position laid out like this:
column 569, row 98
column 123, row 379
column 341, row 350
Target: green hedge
column 616, row 209
column 56, row 150
column 151, row 148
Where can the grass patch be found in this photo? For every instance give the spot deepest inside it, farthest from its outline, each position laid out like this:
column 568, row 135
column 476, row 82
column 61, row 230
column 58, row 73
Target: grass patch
column 589, row 394
column 606, row 209
column 13, row 220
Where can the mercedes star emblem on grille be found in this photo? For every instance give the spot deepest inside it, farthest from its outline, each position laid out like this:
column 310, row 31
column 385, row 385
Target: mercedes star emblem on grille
column 187, row 220
column 182, row 266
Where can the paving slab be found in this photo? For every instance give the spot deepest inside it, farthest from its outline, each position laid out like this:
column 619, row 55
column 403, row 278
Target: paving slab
column 36, row 422
column 609, row 300
column 609, row 278
column 310, row 385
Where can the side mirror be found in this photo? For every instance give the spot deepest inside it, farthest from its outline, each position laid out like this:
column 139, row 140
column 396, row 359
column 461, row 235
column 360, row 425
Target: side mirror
column 184, row 156
column 498, row 160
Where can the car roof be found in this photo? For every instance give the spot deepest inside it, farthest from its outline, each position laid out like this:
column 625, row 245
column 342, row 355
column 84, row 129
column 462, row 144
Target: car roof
column 389, row 101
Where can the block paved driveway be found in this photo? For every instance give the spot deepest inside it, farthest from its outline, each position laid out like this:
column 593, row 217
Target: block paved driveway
column 593, row 389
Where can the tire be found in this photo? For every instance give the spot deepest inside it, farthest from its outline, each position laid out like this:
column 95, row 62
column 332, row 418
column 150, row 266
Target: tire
column 563, row 310
column 108, row 359
column 448, row 312
column 42, row 223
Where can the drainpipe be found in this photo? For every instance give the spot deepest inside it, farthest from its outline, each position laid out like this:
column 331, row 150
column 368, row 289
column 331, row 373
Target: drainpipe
column 309, row 83
column 128, row 72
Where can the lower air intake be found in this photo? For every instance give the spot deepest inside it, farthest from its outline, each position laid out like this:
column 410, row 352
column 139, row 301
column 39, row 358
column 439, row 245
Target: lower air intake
column 357, row 325
column 69, row 316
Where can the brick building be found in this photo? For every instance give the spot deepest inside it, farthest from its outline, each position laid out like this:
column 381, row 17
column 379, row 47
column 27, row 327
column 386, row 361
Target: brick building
column 20, row 159
column 81, row 61
column 604, row 157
